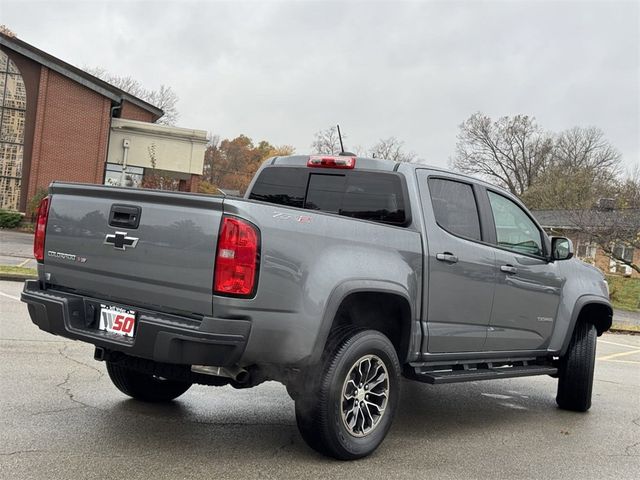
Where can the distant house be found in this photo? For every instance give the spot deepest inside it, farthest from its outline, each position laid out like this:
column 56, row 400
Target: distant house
column 582, row 226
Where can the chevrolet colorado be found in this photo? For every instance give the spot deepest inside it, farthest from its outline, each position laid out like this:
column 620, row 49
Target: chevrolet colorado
column 335, row 275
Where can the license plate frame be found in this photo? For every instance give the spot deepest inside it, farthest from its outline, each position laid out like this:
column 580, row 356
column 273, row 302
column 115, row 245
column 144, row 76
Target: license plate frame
column 118, row 320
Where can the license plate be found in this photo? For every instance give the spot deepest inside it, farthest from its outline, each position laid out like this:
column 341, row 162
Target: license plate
column 117, row 320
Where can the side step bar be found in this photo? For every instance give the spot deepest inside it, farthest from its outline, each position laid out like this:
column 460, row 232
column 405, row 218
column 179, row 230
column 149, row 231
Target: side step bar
column 486, row 373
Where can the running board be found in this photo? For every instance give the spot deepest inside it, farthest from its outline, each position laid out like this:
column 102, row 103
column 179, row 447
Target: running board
column 473, row 374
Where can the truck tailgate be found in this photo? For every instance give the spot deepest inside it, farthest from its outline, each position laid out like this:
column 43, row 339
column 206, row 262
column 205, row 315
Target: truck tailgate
column 163, row 258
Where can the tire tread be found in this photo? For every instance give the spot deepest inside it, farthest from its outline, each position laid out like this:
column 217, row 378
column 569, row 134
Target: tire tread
column 575, row 383
column 145, row 387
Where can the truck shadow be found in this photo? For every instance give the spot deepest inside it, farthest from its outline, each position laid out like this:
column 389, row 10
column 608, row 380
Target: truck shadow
column 200, row 424
column 433, row 411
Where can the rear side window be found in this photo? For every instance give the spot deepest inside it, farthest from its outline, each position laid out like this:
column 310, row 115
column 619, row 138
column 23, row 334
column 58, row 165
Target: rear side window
column 375, row 196
column 455, row 208
column 282, row 186
column 325, row 193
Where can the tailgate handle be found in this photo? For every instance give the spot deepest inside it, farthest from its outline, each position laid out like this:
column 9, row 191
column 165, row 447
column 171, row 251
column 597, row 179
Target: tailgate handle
column 127, row 216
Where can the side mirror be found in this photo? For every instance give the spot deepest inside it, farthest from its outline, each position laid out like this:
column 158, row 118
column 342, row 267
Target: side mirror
column 561, row 248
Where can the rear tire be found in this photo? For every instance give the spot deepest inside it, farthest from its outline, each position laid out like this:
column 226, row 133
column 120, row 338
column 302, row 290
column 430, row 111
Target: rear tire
column 575, row 375
column 143, row 386
column 349, row 403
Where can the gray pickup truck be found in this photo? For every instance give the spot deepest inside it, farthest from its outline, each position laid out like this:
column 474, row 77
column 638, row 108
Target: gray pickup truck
column 334, row 275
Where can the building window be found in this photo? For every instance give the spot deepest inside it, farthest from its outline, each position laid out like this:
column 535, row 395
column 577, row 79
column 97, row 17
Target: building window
column 132, row 176
column 624, row 252
column 586, row 250
column 13, row 105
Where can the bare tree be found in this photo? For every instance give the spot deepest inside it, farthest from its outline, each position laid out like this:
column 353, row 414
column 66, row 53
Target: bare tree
column 392, row 149
column 511, row 151
column 586, row 149
column 164, row 98
column 583, row 168
column 614, row 223
column 327, row 142
column 616, row 232
column 629, row 195
column 7, row 31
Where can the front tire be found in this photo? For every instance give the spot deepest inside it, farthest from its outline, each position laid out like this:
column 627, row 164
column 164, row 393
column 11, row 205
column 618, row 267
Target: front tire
column 575, row 375
column 143, row 386
column 348, row 409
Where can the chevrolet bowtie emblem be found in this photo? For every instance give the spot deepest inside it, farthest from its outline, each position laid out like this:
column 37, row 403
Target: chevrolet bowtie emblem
column 120, row 240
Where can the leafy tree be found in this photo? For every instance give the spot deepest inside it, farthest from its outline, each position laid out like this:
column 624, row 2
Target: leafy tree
column 164, row 98
column 34, row 203
column 230, row 164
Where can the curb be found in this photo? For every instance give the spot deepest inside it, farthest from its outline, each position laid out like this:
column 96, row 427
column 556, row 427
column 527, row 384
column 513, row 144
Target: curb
column 16, row 278
column 621, row 328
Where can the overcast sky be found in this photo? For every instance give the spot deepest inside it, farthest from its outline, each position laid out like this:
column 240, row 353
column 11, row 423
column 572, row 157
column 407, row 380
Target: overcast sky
column 280, row 71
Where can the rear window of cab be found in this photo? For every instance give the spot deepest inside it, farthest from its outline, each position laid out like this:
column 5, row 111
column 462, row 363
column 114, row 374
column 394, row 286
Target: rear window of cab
column 374, row 196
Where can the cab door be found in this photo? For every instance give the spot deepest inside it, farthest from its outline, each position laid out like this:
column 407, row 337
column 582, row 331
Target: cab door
column 459, row 287
column 528, row 286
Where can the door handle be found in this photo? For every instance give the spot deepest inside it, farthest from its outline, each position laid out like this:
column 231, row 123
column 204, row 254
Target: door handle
column 446, row 257
column 509, row 269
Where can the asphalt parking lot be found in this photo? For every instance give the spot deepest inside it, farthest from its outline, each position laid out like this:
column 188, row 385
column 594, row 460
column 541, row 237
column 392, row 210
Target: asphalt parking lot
column 60, row 417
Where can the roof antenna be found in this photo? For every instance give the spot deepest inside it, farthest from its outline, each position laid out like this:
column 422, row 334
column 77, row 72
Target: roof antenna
column 343, row 153
column 340, row 137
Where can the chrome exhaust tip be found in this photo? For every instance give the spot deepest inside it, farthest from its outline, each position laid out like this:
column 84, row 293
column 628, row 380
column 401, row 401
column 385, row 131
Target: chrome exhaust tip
column 236, row 373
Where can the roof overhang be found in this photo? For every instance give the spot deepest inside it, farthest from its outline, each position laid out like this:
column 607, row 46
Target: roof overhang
column 76, row 74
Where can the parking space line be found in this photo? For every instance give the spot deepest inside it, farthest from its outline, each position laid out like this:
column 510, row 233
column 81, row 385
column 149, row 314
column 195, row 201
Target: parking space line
column 623, row 361
column 9, row 296
column 618, row 344
column 616, row 355
column 25, row 262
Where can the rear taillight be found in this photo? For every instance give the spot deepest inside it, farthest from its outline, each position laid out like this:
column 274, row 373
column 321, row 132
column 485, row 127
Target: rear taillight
column 331, row 162
column 236, row 268
column 41, row 229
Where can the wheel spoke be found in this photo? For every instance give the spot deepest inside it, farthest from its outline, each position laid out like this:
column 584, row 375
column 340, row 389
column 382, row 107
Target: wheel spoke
column 373, row 375
column 354, row 416
column 366, row 409
column 363, row 375
column 378, row 381
column 379, row 394
column 377, row 407
column 349, row 395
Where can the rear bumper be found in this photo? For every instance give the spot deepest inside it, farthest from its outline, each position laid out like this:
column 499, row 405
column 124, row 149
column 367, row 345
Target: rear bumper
column 159, row 337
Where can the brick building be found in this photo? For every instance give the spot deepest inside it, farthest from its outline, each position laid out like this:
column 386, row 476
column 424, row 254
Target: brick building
column 56, row 124
column 582, row 226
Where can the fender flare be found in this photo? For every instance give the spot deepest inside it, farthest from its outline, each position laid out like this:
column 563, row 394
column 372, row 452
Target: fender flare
column 582, row 302
column 341, row 292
